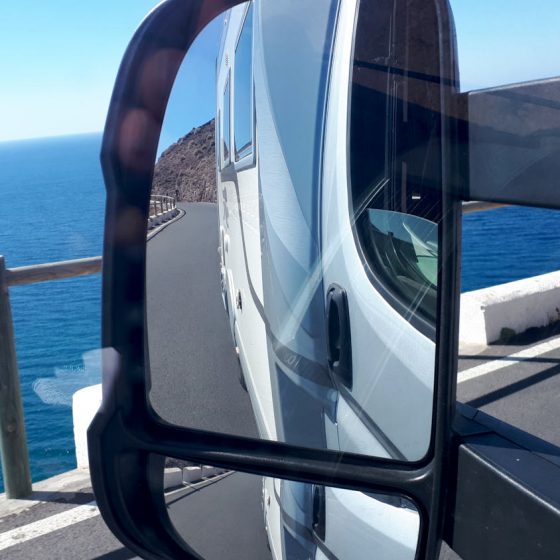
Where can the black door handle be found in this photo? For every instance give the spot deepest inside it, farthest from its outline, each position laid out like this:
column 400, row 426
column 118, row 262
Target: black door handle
column 339, row 344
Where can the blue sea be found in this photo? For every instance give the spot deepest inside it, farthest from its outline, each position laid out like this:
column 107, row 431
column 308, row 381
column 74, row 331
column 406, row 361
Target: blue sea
column 52, row 209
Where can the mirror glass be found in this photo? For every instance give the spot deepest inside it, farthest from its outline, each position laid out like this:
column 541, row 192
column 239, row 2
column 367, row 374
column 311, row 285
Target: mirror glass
column 240, row 516
column 292, row 263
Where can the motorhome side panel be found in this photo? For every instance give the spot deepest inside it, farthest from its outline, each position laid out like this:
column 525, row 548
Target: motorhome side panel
column 238, row 200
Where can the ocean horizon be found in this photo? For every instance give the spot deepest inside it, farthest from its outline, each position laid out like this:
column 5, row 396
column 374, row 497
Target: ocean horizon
column 54, row 210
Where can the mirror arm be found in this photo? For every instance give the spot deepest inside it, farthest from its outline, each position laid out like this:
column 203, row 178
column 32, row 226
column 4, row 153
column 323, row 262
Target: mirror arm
column 511, row 144
column 506, row 492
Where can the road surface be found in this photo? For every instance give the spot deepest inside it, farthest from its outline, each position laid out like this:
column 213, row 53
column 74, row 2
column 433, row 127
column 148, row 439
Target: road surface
column 195, row 371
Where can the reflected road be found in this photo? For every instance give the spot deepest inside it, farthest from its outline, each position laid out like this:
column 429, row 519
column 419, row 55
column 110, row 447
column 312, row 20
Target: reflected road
column 194, row 368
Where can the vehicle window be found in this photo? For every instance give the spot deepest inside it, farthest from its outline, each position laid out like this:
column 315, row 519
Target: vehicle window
column 226, row 126
column 394, row 173
column 404, row 249
column 243, row 89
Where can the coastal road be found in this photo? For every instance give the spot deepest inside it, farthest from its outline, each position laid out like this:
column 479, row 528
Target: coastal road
column 195, row 382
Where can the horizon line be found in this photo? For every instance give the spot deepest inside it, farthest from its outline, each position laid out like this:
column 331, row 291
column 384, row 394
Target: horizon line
column 50, row 137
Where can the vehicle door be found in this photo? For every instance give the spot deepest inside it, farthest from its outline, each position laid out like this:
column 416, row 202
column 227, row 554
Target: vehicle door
column 382, row 169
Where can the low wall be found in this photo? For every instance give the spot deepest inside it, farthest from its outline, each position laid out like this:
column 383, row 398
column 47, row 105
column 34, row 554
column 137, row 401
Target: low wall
column 85, row 404
column 159, row 219
column 507, row 309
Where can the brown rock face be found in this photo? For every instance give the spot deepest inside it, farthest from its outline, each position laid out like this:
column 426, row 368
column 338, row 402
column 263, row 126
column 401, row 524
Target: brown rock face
column 187, row 169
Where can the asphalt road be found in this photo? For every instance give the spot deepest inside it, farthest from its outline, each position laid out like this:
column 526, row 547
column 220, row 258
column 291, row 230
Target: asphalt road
column 523, row 391
column 195, row 372
column 224, row 520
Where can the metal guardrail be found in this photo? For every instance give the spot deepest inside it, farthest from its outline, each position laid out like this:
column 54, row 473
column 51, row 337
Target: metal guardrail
column 476, row 206
column 13, row 440
column 159, row 204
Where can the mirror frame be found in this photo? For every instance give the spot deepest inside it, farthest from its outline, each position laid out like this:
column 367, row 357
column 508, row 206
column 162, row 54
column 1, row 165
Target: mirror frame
column 127, row 440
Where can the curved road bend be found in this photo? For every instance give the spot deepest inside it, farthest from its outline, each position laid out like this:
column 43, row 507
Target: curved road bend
column 195, row 381
column 195, row 371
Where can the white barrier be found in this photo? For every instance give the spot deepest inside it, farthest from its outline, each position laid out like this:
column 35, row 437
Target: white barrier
column 172, row 478
column 160, row 219
column 85, row 404
column 191, row 474
column 489, row 314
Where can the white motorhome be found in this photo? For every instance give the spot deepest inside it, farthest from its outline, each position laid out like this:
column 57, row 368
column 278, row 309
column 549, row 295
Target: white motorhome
column 328, row 254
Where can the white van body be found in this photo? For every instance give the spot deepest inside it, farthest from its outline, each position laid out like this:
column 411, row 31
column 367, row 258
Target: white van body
column 285, row 239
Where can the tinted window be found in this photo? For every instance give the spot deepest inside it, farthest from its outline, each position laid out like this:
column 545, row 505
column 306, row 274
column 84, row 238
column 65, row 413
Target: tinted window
column 394, row 162
column 225, row 125
column 243, row 88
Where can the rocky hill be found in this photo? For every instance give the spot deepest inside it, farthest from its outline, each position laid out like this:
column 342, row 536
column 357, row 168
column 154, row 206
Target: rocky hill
column 187, row 169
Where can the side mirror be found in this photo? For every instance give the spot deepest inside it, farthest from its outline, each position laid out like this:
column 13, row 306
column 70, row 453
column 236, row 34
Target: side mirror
column 339, row 139
column 516, row 128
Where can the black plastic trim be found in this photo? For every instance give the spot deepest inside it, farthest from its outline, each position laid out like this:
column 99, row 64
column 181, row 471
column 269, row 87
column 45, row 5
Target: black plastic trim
column 506, row 500
column 127, row 440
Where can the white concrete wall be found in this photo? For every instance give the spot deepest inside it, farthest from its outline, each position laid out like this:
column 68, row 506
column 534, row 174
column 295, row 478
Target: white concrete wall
column 85, row 404
column 517, row 306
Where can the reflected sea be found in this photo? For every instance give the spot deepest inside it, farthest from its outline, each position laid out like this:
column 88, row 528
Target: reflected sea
column 52, row 209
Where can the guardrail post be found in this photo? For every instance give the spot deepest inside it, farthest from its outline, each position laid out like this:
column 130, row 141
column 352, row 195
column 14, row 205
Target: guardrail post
column 13, row 441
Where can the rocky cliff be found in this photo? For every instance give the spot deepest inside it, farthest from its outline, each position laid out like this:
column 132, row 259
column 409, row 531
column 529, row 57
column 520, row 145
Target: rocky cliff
column 187, row 169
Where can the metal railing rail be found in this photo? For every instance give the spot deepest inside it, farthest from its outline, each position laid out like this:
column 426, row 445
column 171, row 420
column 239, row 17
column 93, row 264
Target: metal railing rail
column 477, row 206
column 13, row 440
column 160, row 203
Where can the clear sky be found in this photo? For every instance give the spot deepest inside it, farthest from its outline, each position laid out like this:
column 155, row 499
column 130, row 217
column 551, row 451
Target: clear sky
column 59, row 59
column 506, row 41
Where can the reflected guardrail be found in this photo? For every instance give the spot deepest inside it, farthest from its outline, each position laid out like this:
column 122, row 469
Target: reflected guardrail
column 162, row 209
column 160, row 203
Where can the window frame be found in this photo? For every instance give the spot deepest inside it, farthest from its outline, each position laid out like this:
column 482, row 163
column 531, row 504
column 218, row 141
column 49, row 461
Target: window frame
column 225, row 161
column 248, row 159
column 417, row 320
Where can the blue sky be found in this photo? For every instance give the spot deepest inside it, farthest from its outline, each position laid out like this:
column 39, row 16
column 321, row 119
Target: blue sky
column 60, row 58
column 506, row 41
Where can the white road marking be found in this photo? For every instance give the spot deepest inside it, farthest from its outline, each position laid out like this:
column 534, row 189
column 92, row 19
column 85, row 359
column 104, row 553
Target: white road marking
column 47, row 525
column 522, row 356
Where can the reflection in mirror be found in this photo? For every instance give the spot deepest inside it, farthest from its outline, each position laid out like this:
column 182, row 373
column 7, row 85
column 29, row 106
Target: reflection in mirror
column 286, row 301
column 234, row 515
